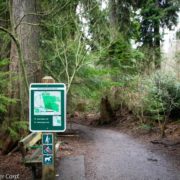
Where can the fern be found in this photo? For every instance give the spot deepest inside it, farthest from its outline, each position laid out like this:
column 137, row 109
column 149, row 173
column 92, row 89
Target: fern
column 14, row 128
column 4, row 99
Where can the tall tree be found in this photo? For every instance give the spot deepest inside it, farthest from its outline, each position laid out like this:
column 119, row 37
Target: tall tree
column 4, row 22
column 24, row 59
column 156, row 14
column 119, row 15
column 97, row 23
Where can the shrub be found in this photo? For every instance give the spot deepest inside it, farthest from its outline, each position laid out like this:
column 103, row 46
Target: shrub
column 163, row 97
column 154, row 98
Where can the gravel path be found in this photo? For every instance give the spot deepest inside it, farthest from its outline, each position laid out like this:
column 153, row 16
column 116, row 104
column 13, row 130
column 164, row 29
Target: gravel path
column 111, row 155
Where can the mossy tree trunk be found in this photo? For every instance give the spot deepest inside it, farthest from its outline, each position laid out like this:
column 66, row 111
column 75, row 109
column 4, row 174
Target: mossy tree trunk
column 25, row 59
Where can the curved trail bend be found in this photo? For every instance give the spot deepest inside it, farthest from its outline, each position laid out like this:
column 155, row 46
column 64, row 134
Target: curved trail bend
column 111, row 155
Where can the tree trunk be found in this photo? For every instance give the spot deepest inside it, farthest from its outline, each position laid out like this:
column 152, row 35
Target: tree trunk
column 106, row 112
column 24, row 27
column 113, row 14
column 157, row 53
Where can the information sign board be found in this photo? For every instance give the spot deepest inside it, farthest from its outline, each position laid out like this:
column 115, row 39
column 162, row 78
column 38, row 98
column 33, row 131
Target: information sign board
column 47, row 107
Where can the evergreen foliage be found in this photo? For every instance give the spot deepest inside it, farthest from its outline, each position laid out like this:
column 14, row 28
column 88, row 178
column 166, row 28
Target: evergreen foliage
column 4, row 99
column 123, row 61
column 153, row 16
column 163, row 97
column 15, row 129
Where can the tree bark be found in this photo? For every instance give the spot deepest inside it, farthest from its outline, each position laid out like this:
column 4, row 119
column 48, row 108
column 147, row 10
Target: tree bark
column 157, row 55
column 107, row 114
column 23, row 22
column 113, row 14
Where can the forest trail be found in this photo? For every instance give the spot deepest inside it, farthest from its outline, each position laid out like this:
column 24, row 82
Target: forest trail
column 111, row 155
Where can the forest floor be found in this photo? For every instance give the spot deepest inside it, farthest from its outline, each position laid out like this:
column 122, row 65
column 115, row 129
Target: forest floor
column 11, row 167
column 113, row 155
column 150, row 137
column 128, row 125
column 141, row 151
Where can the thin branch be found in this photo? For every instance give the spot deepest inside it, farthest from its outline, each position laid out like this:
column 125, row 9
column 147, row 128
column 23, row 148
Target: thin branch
column 31, row 24
column 19, row 54
column 63, row 63
column 40, row 14
column 66, row 63
column 3, row 20
column 60, row 73
column 78, row 49
column 51, row 72
column 34, row 14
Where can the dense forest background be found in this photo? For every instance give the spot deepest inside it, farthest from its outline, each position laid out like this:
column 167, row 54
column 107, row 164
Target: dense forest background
column 107, row 52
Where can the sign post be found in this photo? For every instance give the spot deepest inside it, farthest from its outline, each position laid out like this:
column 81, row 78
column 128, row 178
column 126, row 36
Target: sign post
column 47, row 114
column 48, row 156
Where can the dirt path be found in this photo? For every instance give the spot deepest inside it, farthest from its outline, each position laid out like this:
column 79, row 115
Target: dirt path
column 111, row 155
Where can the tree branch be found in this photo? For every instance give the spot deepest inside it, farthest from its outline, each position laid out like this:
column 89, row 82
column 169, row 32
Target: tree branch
column 51, row 73
column 19, row 54
column 39, row 14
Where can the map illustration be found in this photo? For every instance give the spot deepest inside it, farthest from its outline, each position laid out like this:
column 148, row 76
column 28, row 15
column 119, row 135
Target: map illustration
column 47, row 103
column 56, row 120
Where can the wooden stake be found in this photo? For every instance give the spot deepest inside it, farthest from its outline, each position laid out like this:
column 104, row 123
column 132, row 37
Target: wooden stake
column 48, row 171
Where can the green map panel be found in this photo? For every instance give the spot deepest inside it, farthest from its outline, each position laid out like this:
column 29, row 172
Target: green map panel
column 47, row 108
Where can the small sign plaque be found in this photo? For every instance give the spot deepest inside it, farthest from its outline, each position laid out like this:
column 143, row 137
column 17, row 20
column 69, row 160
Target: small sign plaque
column 47, row 149
column 47, row 138
column 47, row 159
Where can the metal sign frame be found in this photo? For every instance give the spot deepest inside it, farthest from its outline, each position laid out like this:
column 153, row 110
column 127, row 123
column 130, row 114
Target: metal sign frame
column 47, row 118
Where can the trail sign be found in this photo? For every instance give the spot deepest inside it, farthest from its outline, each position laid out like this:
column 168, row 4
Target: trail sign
column 47, row 107
column 47, row 149
column 47, row 159
column 47, row 138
